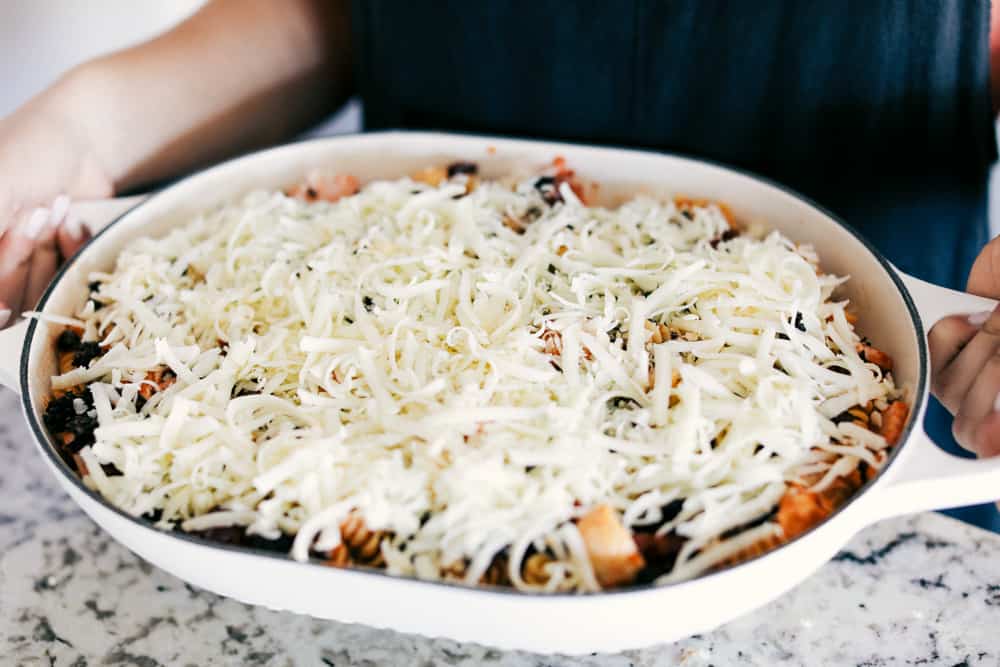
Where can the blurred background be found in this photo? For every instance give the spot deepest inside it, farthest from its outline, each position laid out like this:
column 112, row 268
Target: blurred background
column 39, row 39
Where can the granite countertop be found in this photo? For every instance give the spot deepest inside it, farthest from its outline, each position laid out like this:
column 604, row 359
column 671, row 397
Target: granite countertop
column 923, row 590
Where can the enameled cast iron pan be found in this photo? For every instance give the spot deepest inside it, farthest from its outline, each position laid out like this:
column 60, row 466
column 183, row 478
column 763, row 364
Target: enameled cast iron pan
column 895, row 310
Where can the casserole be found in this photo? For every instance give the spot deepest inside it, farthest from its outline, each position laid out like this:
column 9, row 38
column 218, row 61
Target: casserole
column 918, row 476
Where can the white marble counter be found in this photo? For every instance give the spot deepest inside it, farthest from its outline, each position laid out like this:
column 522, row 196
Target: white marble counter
column 918, row 591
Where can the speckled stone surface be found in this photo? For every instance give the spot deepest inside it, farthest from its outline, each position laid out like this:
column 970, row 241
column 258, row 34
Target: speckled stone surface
column 924, row 590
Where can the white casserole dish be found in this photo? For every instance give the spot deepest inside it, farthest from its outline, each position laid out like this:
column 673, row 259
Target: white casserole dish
column 895, row 311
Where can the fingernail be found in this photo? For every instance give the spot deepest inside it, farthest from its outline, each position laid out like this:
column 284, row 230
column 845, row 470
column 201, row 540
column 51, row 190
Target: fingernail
column 979, row 319
column 60, row 207
column 73, row 226
column 36, row 223
column 996, row 404
column 4, row 317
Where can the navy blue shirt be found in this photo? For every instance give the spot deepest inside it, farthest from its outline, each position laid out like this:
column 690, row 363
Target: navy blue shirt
column 879, row 110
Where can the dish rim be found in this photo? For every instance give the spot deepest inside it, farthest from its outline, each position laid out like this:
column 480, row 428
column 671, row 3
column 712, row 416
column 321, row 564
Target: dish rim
column 44, row 441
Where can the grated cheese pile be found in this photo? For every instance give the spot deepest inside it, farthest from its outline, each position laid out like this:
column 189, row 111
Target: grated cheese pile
column 407, row 355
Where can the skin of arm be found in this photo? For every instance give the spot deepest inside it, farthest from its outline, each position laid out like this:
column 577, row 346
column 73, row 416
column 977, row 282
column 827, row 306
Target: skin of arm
column 238, row 75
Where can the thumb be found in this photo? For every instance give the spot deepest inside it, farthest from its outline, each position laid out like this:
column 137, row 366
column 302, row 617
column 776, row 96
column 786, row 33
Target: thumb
column 984, row 279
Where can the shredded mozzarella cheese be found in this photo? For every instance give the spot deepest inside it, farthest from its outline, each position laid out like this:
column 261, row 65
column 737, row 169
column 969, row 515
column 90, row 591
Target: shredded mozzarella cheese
column 405, row 355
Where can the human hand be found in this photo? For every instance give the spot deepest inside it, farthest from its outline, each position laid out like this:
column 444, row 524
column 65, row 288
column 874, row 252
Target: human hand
column 965, row 361
column 45, row 160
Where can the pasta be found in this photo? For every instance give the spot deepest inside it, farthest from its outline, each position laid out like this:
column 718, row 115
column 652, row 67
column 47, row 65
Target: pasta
column 474, row 380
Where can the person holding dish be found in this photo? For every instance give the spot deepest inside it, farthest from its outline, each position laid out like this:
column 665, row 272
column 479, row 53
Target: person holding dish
column 882, row 113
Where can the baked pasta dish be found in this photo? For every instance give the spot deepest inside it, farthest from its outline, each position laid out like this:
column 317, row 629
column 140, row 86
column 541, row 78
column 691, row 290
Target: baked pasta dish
column 476, row 380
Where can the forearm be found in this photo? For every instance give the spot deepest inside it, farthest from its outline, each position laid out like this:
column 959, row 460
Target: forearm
column 237, row 75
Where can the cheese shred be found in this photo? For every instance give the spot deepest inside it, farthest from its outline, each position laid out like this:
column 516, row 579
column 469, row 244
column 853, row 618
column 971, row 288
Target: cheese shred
column 470, row 370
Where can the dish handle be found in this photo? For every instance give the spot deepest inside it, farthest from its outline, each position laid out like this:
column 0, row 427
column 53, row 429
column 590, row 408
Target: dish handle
column 99, row 213
column 11, row 342
column 934, row 302
column 96, row 215
column 926, row 477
